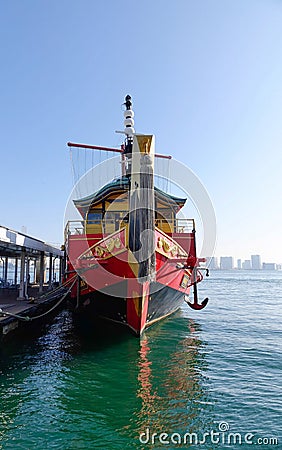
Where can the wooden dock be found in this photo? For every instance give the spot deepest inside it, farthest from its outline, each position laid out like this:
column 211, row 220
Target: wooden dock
column 16, row 316
column 22, row 304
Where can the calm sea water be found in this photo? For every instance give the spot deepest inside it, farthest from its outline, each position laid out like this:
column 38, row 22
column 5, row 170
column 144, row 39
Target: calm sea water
column 215, row 374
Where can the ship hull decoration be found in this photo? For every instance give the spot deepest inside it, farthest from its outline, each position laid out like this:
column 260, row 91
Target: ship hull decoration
column 135, row 261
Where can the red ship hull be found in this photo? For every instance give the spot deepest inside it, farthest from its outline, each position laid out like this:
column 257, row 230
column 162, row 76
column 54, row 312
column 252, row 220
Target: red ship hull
column 108, row 286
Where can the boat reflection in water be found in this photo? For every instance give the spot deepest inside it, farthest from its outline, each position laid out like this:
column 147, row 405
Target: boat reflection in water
column 97, row 392
column 173, row 389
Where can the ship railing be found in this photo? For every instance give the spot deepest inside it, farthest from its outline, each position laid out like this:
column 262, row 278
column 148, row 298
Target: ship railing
column 78, row 227
column 74, row 227
column 176, row 225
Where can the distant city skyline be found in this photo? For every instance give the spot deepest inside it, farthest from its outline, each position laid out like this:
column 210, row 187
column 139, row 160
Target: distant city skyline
column 253, row 263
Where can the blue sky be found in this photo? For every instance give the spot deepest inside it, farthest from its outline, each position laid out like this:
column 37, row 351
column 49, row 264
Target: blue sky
column 205, row 77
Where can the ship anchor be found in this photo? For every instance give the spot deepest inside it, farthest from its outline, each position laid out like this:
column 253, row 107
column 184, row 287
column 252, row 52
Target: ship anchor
column 196, row 305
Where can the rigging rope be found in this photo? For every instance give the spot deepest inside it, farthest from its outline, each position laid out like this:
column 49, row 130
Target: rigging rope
column 72, row 167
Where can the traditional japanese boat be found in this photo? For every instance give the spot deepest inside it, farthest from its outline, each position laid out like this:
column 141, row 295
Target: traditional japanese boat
column 135, row 260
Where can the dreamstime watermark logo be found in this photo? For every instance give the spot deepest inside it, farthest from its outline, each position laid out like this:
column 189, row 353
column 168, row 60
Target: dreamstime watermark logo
column 222, row 436
column 180, row 177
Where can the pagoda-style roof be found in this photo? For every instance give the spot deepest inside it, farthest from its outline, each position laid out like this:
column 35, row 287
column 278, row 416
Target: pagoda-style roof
column 121, row 185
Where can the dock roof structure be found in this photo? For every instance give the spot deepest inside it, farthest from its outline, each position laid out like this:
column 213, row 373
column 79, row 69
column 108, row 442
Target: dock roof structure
column 13, row 242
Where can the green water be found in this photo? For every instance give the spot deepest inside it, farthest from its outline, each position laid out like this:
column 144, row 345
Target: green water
column 214, row 371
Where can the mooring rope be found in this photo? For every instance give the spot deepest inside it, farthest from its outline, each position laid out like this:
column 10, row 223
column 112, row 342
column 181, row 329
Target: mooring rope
column 50, row 293
column 30, row 319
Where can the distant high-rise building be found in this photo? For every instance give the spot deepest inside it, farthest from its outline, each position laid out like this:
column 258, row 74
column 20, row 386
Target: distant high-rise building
column 246, row 265
column 226, row 262
column 256, row 262
column 269, row 266
column 212, row 263
column 239, row 264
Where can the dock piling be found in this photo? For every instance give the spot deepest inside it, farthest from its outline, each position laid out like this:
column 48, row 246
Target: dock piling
column 21, row 295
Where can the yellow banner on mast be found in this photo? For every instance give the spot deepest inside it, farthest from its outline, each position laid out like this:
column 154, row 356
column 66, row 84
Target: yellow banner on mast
column 142, row 205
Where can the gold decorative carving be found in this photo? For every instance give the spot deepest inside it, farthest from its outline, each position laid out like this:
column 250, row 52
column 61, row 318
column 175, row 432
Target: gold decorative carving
column 166, row 246
column 110, row 245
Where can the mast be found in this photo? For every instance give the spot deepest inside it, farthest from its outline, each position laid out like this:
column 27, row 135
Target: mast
column 139, row 153
column 128, row 131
